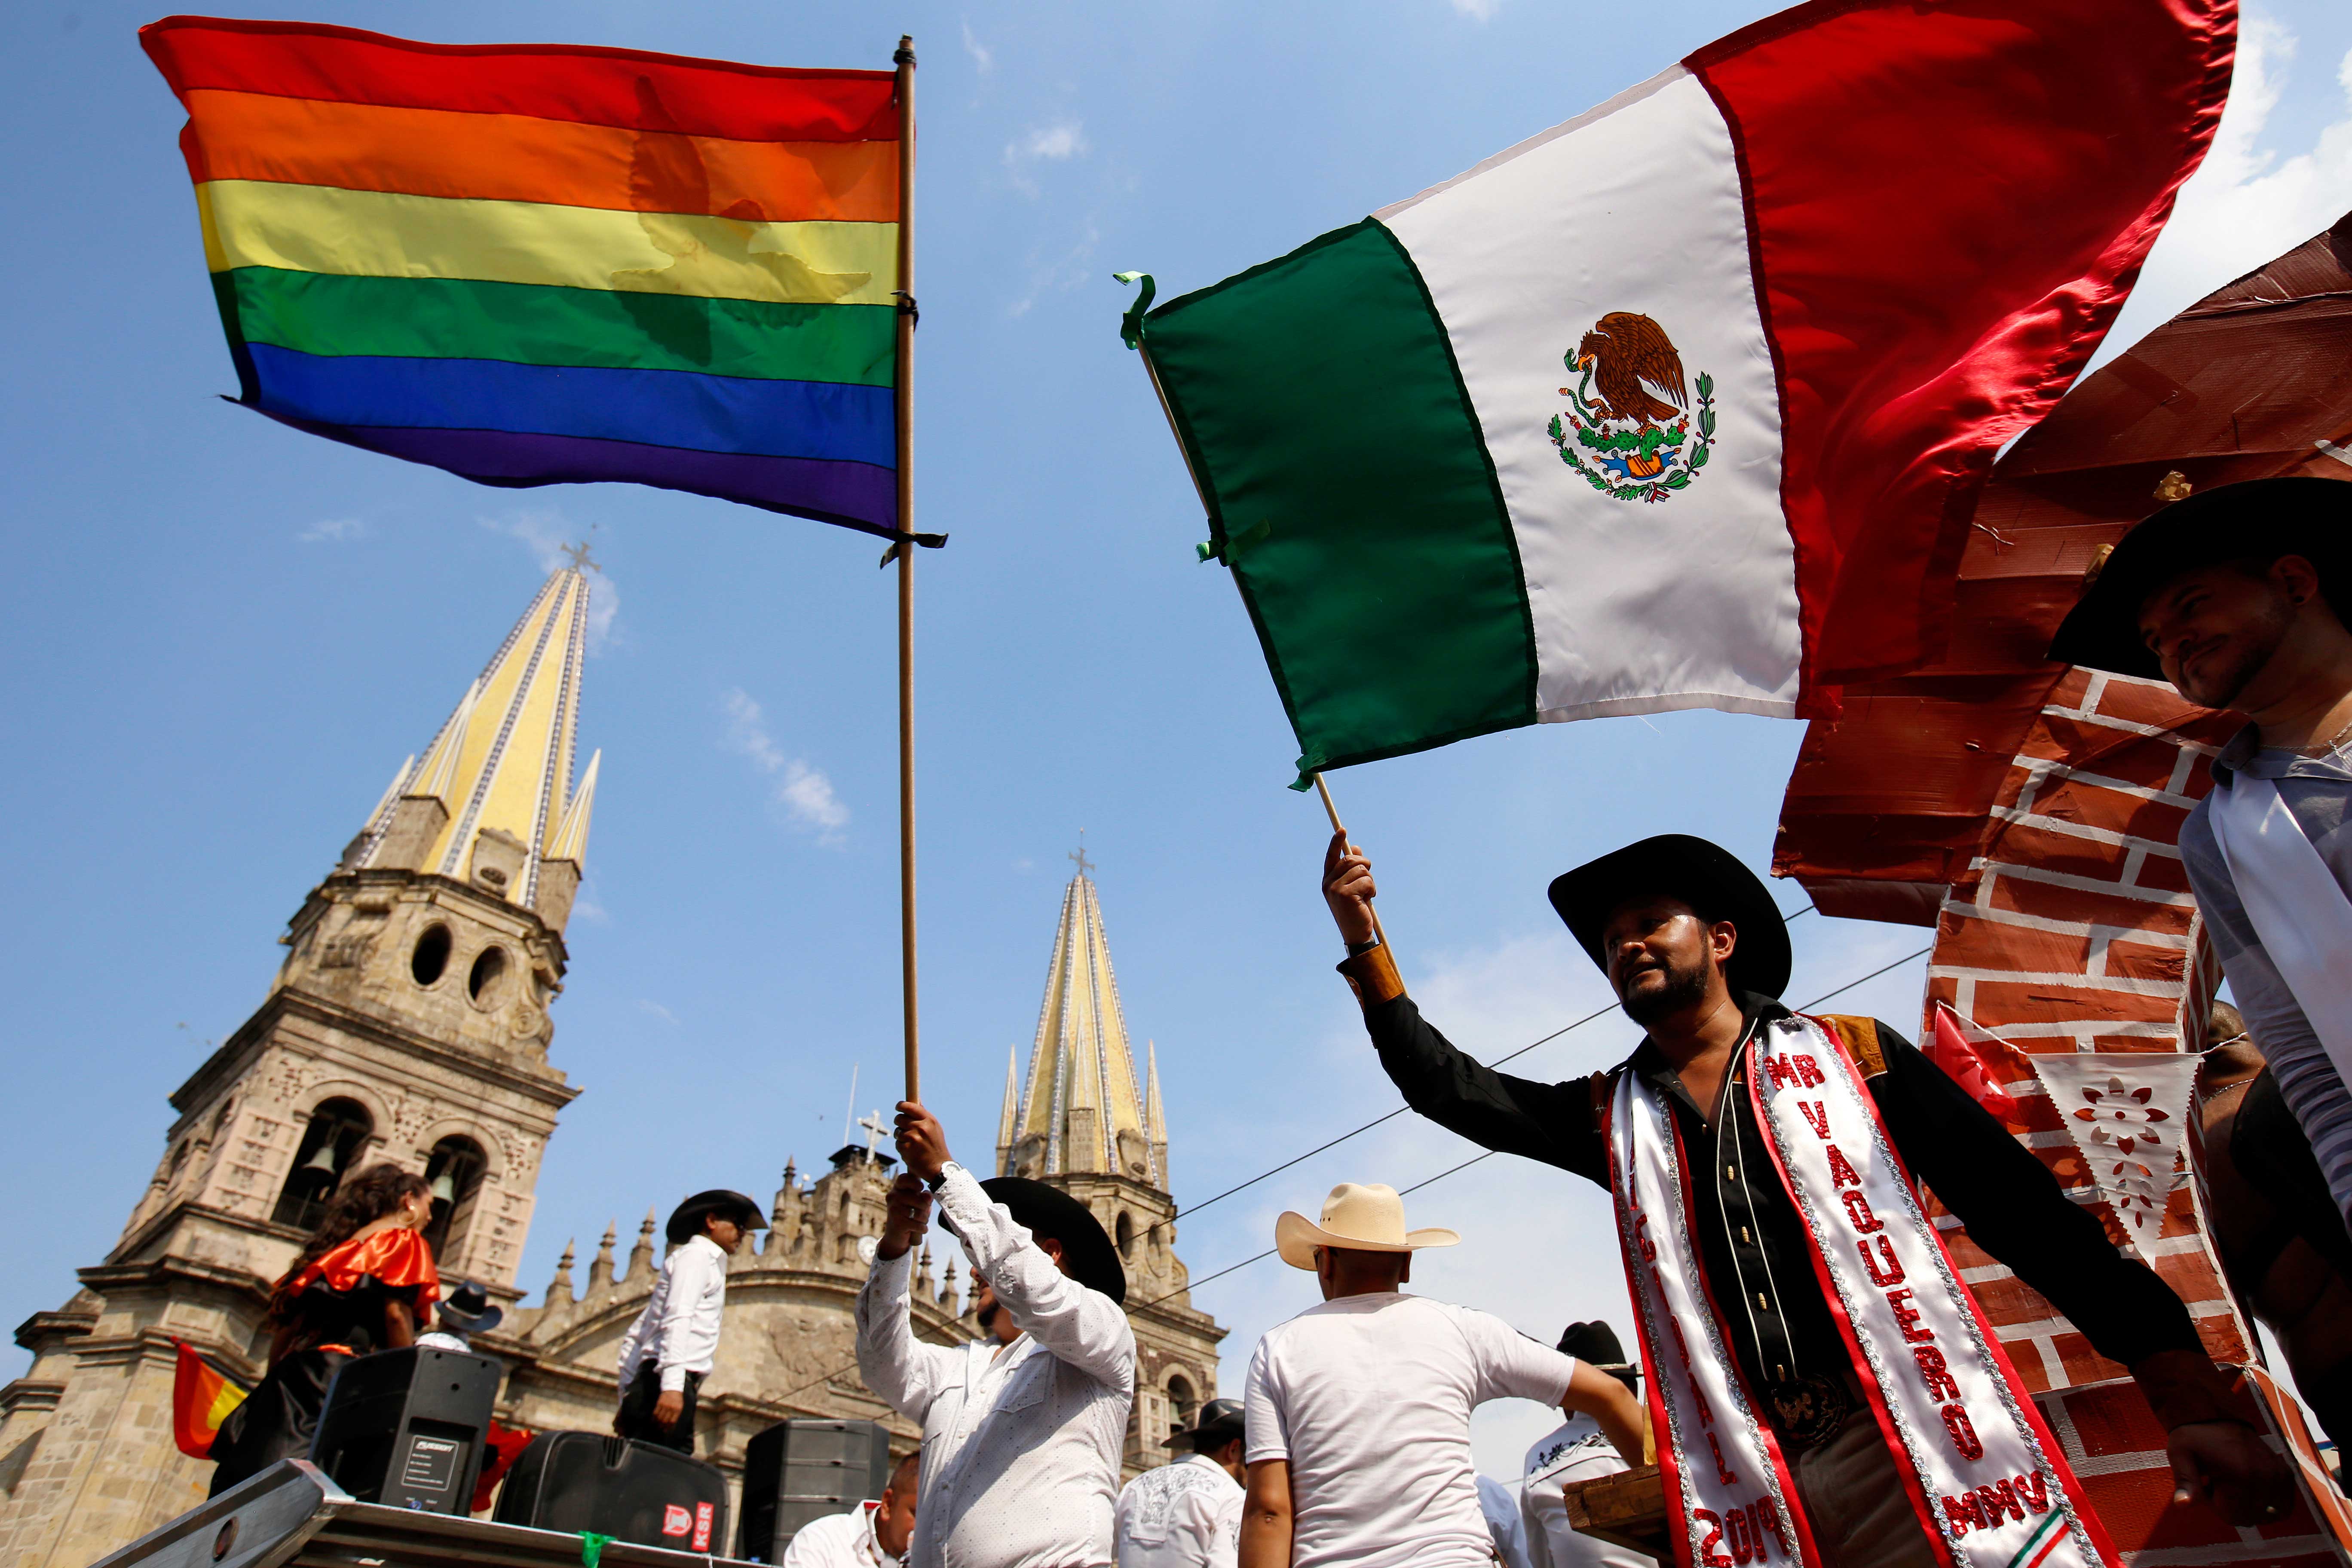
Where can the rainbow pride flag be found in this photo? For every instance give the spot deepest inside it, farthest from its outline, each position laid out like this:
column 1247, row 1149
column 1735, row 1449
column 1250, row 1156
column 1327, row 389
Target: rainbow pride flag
column 202, row 1398
column 533, row 264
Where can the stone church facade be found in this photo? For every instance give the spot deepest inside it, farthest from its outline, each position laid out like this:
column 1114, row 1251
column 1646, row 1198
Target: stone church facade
column 409, row 1023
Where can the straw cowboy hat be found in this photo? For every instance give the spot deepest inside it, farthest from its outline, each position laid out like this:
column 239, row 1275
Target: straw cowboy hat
column 1357, row 1218
column 2259, row 519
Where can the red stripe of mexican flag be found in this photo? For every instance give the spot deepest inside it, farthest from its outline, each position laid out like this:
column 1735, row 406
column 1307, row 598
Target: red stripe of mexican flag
column 1685, row 402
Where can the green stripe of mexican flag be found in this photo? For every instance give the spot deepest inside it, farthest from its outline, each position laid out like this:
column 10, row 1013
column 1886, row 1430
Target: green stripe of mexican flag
column 1685, row 402
column 1389, row 598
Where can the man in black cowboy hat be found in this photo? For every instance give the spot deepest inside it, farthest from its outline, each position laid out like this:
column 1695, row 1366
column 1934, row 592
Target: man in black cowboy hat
column 668, row 1350
column 1698, row 953
column 465, row 1313
column 1189, row 1514
column 2239, row 595
column 1023, row 1429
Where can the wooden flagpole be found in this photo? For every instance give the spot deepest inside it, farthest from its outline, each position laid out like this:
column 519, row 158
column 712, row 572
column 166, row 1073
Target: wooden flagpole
column 904, row 58
column 1332, row 812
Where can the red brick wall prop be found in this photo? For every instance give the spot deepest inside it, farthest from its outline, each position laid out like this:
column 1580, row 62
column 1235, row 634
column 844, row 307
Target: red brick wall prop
column 2073, row 931
column 2117, row 1450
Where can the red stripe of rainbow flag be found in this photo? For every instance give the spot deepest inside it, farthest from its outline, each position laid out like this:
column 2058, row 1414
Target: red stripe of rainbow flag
column 537, row 264
column 202, row 1398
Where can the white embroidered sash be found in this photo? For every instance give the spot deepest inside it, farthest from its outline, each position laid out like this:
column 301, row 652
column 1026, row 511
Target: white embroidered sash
column 2294, row 902
column 1987, row 1482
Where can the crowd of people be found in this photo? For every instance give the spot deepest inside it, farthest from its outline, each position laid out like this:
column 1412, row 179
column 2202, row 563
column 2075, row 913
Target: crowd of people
column 1821, row 1388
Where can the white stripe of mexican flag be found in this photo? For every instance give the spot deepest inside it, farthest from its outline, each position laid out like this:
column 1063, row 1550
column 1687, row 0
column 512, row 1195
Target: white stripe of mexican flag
column 1685, row 402
column 1641, row 594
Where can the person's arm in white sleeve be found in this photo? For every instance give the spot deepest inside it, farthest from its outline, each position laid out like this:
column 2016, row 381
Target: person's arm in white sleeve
column 630, row 1344
column 907, row 1374
column 1084, row 1328
column 1269, row 1527
column 1511, row 1365
column 692, row 1270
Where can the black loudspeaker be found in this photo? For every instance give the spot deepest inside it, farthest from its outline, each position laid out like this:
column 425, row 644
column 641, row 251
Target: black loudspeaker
column 638, row 1492
column 405, row 1428
column 800, row 1470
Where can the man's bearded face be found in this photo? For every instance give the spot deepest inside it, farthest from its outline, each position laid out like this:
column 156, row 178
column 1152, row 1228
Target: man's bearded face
column 1660, row 955
column 2214, row 630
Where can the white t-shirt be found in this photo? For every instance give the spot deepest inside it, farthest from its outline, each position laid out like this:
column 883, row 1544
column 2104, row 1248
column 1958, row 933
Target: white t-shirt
column 1184, row 1515
column 1576, row 1452
column 1368, row 1397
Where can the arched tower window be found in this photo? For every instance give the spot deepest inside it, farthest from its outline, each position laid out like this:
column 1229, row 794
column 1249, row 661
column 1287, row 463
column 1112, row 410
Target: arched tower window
column 332, row 1140
column 1126, row 1237
column 1181, row 1399
column 454, row 1172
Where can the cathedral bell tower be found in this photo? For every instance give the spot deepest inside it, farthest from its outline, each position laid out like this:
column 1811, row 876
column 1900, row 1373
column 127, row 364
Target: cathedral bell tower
column 408, row 1024
column 1080, row 1121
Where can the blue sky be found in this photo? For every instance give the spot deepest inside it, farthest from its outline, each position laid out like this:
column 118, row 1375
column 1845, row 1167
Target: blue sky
column 218, row 638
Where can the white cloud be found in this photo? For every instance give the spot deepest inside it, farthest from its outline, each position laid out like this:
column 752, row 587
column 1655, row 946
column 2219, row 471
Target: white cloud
column 1059, row 272
column 542, row 530
column 1478, row 10
column 1055, row 144
column 805, row 796
column 808, row 796
column 586, row 907
column 2247, row 204
column 984, row 59
column 645, row 1005
column 334, row 530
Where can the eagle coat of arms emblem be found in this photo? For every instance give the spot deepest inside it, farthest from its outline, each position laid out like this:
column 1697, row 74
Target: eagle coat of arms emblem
column 1631, row 430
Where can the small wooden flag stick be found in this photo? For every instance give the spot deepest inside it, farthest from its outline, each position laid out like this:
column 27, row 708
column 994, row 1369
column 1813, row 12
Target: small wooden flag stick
column 1332, row 812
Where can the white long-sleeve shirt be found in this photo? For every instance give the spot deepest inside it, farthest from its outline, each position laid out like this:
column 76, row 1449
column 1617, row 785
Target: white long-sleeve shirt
column 680, row 1327
column 1575, row 1452
column 840, row 1541
column 1184, row 1515
column 1021, row 1442
column 1500, row 1504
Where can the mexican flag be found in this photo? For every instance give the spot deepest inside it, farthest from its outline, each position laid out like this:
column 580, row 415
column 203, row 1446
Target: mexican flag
column 1687, row 402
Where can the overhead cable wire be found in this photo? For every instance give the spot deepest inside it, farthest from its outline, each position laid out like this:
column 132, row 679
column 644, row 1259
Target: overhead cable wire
column 1401, row 1110
column 1451, row 1170
column 1465, row 1164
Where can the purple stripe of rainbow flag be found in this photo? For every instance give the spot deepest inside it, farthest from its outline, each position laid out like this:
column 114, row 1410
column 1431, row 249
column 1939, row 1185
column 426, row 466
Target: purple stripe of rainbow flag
column 531, row 265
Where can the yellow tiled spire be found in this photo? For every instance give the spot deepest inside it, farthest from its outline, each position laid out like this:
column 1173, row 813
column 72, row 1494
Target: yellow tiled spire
column 502, row 763
column 1081, row 1109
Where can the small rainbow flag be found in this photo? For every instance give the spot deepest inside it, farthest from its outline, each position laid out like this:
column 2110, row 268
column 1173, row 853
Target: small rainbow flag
column 202, row 1398
column 531, row 264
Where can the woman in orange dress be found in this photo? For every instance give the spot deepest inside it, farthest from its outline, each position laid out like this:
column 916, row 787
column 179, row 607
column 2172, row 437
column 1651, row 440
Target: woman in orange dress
column 364, row 1281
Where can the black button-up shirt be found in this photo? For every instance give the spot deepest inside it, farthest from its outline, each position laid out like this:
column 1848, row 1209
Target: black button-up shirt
column 1751, row 1243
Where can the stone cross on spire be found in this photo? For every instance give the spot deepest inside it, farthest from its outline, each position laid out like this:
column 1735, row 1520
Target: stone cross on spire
column 875, row 1127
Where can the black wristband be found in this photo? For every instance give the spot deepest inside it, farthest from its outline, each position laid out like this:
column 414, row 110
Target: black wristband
column 1358, row 949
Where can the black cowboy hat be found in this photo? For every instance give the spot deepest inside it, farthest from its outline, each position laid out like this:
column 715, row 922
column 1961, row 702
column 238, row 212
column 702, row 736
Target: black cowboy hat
column 686, row 1220
column 1702, row 874
column 1595, row 1344
column 469, row 1310
column 1087, row 1254
column 2259, row 519
column 1218, row 1423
